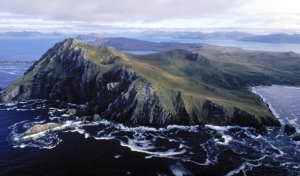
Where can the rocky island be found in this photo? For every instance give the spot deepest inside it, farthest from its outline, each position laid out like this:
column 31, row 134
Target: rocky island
column 200, row 84
column 39, row 128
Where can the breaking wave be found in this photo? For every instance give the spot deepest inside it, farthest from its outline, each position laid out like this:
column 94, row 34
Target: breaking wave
column 199, row 146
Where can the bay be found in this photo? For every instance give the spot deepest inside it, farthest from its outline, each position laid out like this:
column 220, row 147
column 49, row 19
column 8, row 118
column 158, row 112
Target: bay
column 284, row 101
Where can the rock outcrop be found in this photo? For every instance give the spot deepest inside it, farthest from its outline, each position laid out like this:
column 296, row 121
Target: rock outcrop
column 246, row 119
column 128, row 90
column 40, row 128
column 296, row 138
column 214, row 114
column 289, row 129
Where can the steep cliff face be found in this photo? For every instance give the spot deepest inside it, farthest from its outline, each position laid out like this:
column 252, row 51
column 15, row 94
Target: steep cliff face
column 63, row 73
column 149, row 90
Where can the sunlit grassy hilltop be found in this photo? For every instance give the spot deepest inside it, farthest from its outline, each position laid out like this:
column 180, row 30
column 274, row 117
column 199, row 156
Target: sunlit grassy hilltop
column 199, row 84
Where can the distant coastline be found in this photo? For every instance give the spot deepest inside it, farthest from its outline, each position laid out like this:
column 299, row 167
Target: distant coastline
column 234, row 35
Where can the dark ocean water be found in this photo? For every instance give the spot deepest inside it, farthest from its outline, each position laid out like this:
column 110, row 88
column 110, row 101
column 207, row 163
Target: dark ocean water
column 24, row 49
column 107, row 148
column 11, row 71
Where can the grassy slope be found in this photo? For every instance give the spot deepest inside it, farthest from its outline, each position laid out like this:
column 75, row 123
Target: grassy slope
column 171, row 73
column 254, row 68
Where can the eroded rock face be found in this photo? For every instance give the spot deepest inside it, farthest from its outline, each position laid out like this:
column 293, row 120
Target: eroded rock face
column 289, row 129
column 243, row 118
column 296, row 138
column 269, row 121
column 214, row 114
column 40, row 128
column 116, row 92
column 128, row 99
column 63, row 73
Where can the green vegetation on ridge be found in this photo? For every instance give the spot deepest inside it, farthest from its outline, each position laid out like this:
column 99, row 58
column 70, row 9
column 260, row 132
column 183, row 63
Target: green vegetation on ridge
column 220, row 74
column 201, row 84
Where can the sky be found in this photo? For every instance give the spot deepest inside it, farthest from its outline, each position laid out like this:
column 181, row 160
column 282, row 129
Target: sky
column 78, row 16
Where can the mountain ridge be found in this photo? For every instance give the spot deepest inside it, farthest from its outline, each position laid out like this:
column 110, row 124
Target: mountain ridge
column 171, row 87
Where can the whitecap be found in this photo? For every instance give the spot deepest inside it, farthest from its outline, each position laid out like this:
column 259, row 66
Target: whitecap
column 179, row 170
column 145, row 149
column 13, row 108
column 194, row 128
column 206, row 163
column 226, row 139
column 11, row 104
column 86, row 135
column 54, row 117
column 236, row 171
column 25, row 109
column 118, row 156
column 104, row 138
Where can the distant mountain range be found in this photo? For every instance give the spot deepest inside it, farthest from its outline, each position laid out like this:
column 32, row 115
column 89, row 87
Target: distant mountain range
column 31, row 34
column 198, row 35
column 274, row 38
column 238, row 36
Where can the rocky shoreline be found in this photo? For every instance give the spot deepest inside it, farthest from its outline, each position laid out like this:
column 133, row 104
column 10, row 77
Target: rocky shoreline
column 116, row 87
column 288, row 129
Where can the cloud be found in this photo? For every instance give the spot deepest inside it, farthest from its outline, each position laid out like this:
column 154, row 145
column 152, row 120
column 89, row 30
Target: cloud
column 93, row 15
column 251, row 7
column 115, row 10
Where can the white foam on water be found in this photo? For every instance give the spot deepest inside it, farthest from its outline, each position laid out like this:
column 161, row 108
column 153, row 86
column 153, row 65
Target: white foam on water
column 18, row 109
column 31, row 124
column 145, row 149
column 54, row 117
column 164, row 142
column 227, row 139
column 293, row 121
column 194, row 128
column 172, row 140
column 251, row 135
column 35, row 136
column 47, row 139
column 179, row 170
column 296, row 167
column 86, row 135
column 118, row 156
column 218, row 128
column 130, row 129
column 236, row 171
column 206, row 163
column 184, row 146
column 104, row 138
column 13, row 108
column 246, row 166
column 11, row 104
column 225, row 128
